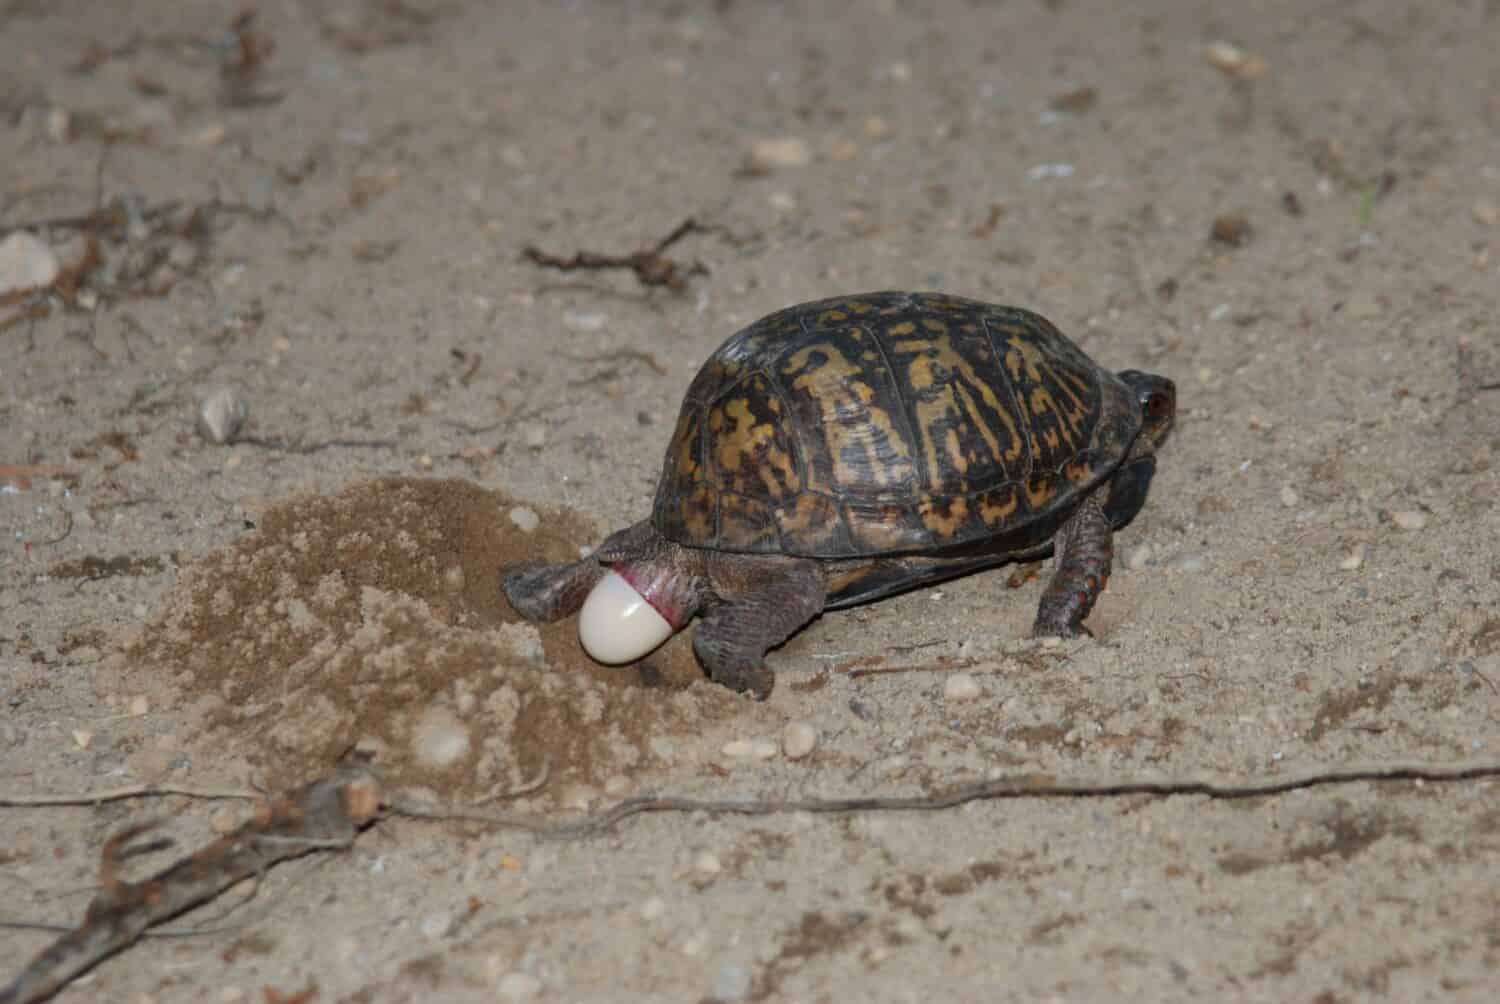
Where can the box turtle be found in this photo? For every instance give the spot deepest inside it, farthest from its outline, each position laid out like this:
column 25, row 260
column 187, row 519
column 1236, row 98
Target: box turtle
column 839, row 451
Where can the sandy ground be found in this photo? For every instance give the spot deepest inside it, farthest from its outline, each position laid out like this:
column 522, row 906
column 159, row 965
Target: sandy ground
column 326, row 210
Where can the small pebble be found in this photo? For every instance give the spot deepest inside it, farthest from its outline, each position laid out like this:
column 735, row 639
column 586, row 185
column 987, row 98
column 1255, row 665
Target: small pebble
column 26, row 262
column 534, row 436
column 519, row 986
column 223, row 820
column 59, row 124
column 1486, row 213
column 1042, row 172
column 782, row 202
column 732, row 984
column 435, row 925
column 183, row 255
column 1190, row 561
column 707, row 863
column 798, row 740
column 82, row 738
column 1235, row 61
column 1232, row 229
column 585, row 320
column 139, row 706
column 440, row 739
column 960, row 687
column 1409, row 519
column 221, row 414
column 1139, row 557
column 877, row 127
column 1289, row 496
column 1354, row 560
column 842, row 148
column 525, row 518
column 653, row 909
column 749, row 749
column 782, row 151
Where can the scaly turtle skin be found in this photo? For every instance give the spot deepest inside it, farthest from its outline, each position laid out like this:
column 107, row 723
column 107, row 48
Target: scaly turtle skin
column 843, row 450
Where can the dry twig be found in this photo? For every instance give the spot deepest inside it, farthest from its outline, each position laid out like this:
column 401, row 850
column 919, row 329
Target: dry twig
column 1019, row 786
column 129, row 791
column 651, row 266
column 325, row 815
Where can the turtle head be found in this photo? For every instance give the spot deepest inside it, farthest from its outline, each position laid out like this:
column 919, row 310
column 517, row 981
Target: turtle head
column 1157, row 397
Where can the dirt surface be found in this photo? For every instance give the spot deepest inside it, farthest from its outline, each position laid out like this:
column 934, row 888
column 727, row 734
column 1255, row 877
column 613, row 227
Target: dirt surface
column 1294, row 212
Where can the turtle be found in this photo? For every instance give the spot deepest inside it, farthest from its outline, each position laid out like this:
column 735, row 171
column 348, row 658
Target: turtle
column 843, row 450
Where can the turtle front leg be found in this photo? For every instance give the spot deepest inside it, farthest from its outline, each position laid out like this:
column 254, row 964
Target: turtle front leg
column 543, row 592
column 761, row 602
column 1084, row 547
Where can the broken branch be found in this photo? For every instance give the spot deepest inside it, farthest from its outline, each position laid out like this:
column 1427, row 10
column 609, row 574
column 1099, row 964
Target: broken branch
column 324, row 815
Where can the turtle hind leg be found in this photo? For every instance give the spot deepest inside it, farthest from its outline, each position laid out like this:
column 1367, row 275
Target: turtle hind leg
column 761, row 602
column 1085, row 551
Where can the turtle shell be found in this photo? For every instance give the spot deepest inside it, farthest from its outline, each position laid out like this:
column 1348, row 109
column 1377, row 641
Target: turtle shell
column 890, row 423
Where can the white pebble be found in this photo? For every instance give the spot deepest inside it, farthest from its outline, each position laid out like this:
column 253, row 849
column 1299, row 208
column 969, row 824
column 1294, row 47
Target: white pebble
column 1354, row 560
column 1139, row 557
column 1190, row 561
column 1289, row 496
column 798, row 740
column 1041, row 172
column 59, row 124
column 525, row 518
column 435, row 925
column 221, row 414
column 749, row 749
column 731, row 984
column 960, row 687
column 585, row 320
column 782, row 151
column 519, row 986
column 654, row 908
column 1409, row 519
column 26, row 262
column 139, row 706
column 440, row 739
column 707, row 863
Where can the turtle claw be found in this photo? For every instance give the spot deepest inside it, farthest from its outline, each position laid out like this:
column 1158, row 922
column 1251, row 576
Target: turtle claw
column 756, row 680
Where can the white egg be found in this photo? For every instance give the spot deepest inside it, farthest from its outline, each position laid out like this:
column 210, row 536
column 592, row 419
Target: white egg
column 617, row 625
